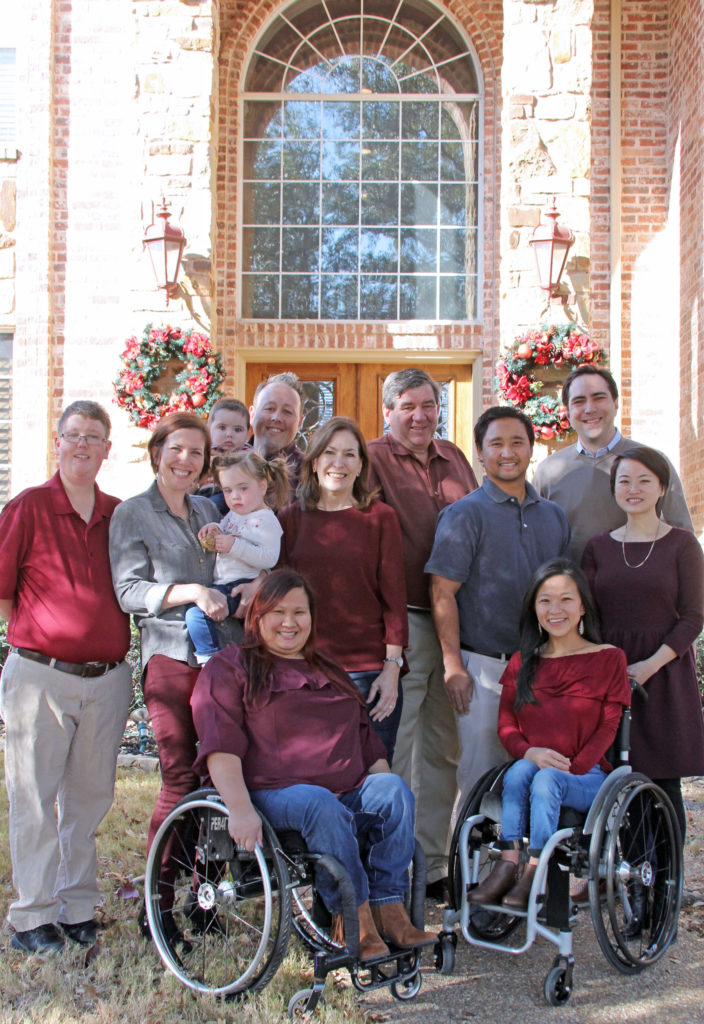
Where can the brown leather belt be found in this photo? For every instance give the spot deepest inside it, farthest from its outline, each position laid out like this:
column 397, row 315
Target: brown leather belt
column 88, row 670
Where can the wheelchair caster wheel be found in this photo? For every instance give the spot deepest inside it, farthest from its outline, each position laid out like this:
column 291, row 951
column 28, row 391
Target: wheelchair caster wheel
column 555, row 987
column 298, row 1003
column 444, row 954
column 408, row 989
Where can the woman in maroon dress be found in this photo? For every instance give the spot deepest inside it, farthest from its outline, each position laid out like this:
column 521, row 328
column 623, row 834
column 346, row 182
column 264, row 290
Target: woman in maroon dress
column 647, row 578
column 348, row 546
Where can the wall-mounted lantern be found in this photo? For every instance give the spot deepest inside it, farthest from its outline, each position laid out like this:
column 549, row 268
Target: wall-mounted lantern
column 551, row 242
column 165, row 244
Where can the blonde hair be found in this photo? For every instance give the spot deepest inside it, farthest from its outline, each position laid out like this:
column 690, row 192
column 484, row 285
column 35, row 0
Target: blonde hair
column 274, row 473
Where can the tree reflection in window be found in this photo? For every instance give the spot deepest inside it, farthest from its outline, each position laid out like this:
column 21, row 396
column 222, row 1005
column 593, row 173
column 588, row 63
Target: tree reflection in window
column 361, row 187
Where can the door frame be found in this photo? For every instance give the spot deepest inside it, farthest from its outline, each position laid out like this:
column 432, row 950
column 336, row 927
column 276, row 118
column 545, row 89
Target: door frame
column 469, row 399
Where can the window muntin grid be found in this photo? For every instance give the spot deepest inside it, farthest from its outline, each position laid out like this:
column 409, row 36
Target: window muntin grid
column 361, row 188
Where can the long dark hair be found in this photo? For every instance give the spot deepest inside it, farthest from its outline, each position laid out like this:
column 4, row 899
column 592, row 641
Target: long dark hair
column 531, row 633
column 257, row 659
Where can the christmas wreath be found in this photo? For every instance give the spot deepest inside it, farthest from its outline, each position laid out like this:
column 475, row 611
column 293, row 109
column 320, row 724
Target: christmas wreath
column 169, row 370
column 566, row 346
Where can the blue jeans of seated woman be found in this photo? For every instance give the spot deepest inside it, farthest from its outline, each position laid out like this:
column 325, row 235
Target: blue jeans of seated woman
column 381, row 811
column 387, row 728
column 202, row 630
column 543, row 791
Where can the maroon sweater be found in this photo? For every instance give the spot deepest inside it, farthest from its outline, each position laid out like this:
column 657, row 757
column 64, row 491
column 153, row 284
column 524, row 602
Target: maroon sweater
column 353, row 561
column 580, row 697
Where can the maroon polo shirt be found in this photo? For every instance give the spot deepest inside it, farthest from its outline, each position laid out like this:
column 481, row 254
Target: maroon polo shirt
column 418, row 493
column 307, row 733
column 56, row 569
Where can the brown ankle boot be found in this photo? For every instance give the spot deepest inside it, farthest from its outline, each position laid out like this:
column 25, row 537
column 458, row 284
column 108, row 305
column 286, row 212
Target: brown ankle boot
column 395, row 926
column 370, row 942
column 518, row 896
column 496, row 884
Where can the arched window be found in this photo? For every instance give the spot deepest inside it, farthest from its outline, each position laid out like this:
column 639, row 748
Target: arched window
column 361, row 186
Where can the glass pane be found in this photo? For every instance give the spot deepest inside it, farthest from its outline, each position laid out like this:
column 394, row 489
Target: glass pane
column 301, row 119
column 339, row 297
column 380, row 161
column 419, row 249
column 420, row 120
column 261, row 248
column 452, row 167
column 453, row 249
column 301, row 160
column 379, row 204
column 378, row 297
column 262, row 159
column 300, row 203
column 419, row 161
column 418, row 298
column 377, row 77
column 380, row 120
column 299, row 249
column 459, row 121
column 340, row 203
column 378, row 251
column 318, row 408
column 340, row 248
column 262, row 120
column 344, row 76
column 299, row 297
column 260, row 295
column 458, row 298
column 340, row 161
column 262, row 203
column 341, row 120
column 419, row 204
column 454, row 202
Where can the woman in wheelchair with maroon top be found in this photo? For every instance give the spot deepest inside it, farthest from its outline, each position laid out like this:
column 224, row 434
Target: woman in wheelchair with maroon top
column 562, row 700
column 283, row 730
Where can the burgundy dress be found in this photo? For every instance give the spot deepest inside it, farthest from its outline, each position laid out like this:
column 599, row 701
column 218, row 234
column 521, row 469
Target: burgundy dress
column 661, row 601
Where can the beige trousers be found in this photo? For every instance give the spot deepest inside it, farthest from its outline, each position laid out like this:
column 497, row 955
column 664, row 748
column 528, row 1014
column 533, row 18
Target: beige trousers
column 426, row 744
column 480, row 748
column 62, row 735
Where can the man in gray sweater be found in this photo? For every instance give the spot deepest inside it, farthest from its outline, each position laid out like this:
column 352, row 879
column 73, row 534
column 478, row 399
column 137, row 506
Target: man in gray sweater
column 577, row 477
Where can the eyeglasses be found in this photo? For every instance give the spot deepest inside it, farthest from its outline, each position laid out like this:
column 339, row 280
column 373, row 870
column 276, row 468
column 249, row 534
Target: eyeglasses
column 90, row 439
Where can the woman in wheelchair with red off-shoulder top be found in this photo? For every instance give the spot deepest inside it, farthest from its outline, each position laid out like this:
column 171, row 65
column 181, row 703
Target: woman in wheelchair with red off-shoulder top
column 562, row 700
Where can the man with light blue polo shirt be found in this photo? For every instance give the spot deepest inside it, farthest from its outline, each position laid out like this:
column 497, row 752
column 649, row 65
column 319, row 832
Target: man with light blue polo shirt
column 487, row 546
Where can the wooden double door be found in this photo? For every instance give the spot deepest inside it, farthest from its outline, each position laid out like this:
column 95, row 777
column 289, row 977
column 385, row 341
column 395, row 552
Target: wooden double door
column 354, row 390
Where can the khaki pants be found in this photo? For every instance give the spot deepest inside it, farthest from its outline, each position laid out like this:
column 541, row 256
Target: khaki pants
column 426, row 744
column 62, row 735
column 480, row 748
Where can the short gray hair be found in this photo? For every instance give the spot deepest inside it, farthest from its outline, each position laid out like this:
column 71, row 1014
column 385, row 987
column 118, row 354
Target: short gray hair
column 91, row 411
column 403, row 380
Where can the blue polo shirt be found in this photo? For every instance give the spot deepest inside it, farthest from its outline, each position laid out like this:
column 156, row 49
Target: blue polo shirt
column 492, row 545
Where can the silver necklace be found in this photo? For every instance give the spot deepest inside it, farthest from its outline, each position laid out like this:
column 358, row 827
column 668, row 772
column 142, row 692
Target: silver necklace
column 650, row 549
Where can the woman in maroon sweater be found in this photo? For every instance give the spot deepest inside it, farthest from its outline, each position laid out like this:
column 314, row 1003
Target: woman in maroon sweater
column 283, row 731
column 562, row 700
column 348, row 547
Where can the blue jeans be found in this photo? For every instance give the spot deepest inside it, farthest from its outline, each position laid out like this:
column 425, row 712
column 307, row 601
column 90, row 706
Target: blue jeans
column 380, row 811
column 545, row 791
column 202, row 630
column 388, row 727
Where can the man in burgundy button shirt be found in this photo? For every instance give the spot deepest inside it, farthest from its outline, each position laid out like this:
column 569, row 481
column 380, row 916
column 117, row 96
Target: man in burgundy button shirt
column 65, row 687
column 418, row 476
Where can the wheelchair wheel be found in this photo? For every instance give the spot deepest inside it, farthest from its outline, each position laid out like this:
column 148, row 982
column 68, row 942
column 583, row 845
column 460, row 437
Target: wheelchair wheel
column 408, row 989
column 220, row 917
column 311, row 919
column 556, row 989
column 637, row 851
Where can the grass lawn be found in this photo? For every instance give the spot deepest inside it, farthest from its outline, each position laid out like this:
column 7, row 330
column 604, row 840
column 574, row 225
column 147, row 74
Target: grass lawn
column 126, row 982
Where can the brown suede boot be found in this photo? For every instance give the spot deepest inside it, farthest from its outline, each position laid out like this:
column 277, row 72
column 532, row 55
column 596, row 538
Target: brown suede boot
column 518, row 896
column 370, row 942
column 495, row 885
column 395, row 926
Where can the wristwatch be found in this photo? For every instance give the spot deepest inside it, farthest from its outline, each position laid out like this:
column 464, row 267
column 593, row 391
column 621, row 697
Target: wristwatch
column 398, row 660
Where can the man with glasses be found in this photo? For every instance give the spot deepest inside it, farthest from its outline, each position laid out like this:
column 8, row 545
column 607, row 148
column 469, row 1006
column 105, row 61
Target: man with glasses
column 65, row 687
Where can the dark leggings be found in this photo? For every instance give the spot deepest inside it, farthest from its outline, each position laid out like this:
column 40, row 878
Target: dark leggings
column 673, row 789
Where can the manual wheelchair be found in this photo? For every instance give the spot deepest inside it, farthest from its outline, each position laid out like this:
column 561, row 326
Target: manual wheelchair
column 627, row 846
column 221, row 917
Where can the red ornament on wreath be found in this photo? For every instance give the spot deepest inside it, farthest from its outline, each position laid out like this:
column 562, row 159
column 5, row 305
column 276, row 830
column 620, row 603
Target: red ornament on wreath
column 168, row 371
column 564, row 347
